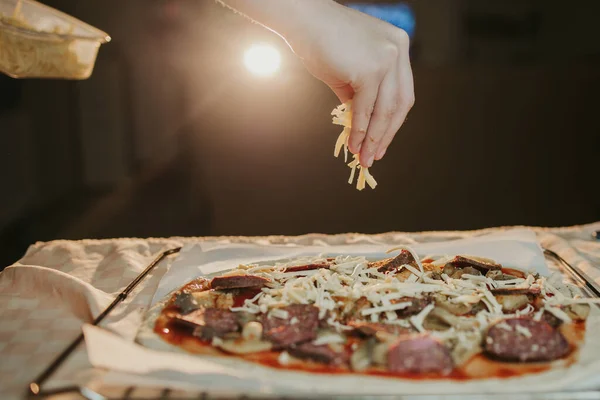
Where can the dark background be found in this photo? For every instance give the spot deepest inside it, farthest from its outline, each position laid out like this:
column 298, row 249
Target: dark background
column 172, row 136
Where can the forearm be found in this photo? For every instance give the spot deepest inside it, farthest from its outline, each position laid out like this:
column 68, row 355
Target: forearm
column 285, row 17
column 359, row 57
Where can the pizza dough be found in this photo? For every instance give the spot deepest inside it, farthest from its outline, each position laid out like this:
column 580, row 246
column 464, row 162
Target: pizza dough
column 455, row 317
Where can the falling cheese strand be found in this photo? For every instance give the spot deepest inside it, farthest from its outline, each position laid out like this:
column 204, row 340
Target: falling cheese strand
column 342, row 115
column 342, row 142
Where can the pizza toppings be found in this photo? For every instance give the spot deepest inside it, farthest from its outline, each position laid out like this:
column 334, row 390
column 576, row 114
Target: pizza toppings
column 393, row 264
column 498, row 275
column 399, row 314
column 457, row 273
column 523, row 339
column 319, row 353
column 211, row 322
column 516, row 290
column 186, row 303
column 197, row 285
column 253, row 330
column 213, row 298
column 362, row 357
column 512, row 302
column 480, row 264
column 240, row 346
column 550, row 319
column 299, row 325
column 578, row 312
column 367, row 329
column 419, row 354
column 453, row 306
column 415, row 306
column 308, row 267
column 237, row 282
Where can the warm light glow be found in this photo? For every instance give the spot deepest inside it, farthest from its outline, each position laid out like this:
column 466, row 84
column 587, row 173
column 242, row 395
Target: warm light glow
column 262, row 59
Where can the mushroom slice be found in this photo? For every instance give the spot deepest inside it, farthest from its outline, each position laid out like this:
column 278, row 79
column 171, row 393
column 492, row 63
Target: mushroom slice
column 463, row 350
column 435, row 324
column 380, row 352
column 455, row 308
column 244, row 317
column 362, row 357
column 578, row 311
column 457, row 274
column 451, row 319
column 512, row 302
column 252, row 331
column 498, row 275
column 242, row 346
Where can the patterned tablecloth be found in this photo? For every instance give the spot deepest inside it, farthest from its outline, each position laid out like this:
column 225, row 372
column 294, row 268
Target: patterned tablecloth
column 57, row 286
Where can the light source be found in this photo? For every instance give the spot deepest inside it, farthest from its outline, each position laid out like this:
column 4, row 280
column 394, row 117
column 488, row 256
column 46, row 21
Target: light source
column 262, row 59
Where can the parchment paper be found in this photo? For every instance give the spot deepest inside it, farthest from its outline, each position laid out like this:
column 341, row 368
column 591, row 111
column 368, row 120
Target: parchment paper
column 157, row 361
column 518, row 248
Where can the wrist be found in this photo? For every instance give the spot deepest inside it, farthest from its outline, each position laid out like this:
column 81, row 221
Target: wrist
column 307, row 23
column 294, row 20
column 300, row 16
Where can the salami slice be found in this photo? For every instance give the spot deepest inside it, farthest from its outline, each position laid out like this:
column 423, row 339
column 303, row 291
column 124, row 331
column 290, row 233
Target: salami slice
column 300, row 326
column 211, row 322
column 523, row 339
column 419, row 354
column 308, row 267
column 237, row 282
column 551, row 319
column 416, row 306
column 392, row 264
column 463, row 262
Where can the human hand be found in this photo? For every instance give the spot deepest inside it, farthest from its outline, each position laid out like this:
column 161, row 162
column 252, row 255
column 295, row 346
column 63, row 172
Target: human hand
column 360, row 58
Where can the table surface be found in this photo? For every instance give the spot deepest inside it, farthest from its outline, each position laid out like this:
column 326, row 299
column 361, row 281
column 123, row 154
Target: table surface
column 57, row 286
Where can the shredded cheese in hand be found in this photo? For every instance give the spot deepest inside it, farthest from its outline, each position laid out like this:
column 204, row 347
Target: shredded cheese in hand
column 342, row 115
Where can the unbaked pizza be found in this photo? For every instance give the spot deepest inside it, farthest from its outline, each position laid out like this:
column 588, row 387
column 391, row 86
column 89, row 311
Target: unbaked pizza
column 459, row 317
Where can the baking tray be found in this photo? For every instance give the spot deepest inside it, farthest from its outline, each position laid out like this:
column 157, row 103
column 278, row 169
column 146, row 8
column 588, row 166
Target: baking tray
column 36, row 390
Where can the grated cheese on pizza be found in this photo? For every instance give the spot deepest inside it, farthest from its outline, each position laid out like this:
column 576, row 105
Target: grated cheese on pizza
column 358, row 313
